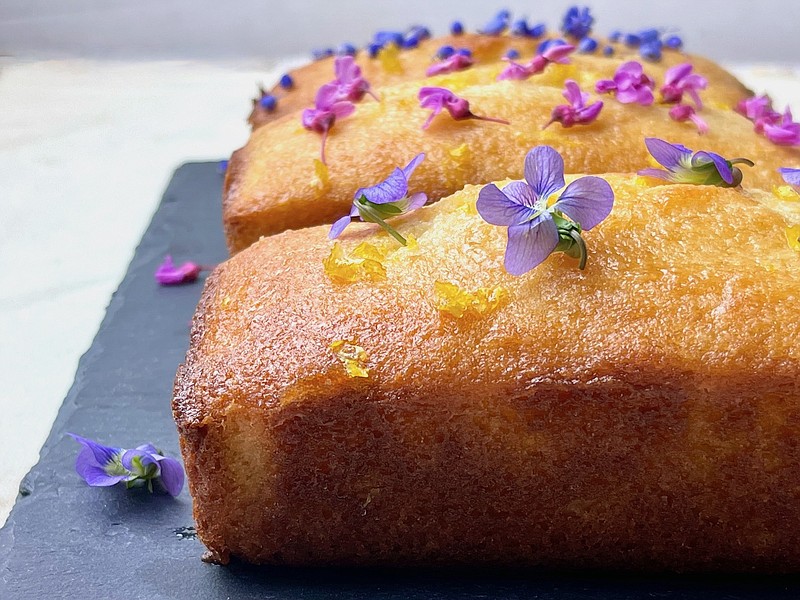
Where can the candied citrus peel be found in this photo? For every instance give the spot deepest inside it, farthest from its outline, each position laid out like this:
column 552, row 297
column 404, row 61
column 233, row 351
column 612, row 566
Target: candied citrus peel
column 786, row 192
column 389, row 56
column 793, row 237
column 459, row 303
column 365, row 263
column 353, row 357
column 321, row 178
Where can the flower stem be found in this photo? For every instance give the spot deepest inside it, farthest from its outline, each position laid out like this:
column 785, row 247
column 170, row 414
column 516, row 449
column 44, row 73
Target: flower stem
column 576, row 236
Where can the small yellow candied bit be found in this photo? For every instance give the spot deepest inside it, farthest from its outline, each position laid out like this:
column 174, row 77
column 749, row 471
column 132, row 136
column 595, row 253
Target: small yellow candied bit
column 786, row 192
column 793, row 237
column 363, row 264
column 389, row 56
column 719, row 105
column 460, row 153
column 411, row 243
column 321, row 178
column 226, row 301
column 353, row 357
column 460, row 303
column 644, row 182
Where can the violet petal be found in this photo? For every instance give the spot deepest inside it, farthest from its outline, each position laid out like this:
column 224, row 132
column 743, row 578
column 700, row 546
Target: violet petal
column 172, row 476
column 790, row 176
column 657, row 173
column 522, row 193
column 92, row 473
column 587, row 201
column 544, row 171
column 390, row 189
column 103, row 455
column 496, row 208
column 416, row 201
column 530, row 243
column 722, row 166
column 338, row 227
column 667, row 155
column 409, row 168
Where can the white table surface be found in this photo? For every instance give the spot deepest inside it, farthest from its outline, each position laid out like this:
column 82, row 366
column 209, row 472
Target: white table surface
column 86, row 150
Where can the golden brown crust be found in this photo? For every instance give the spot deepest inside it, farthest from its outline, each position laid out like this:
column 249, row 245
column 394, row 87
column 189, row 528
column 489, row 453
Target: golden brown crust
column 639, row 414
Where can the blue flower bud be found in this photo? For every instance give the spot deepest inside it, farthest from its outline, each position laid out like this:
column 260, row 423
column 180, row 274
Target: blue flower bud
column 608, row 51
column 420, row 32
column 464, row 52
column 286, row 81
column 373, row 49
column 445, row 52
column 456, row 28
column 537, row 31
column 268, row 102
column 614, row 36
column 411, row 42
column 649, row 35
column 389, row 37
column 519, row 28
column 587, row 45
column 321, row 53
column 547, row 44
column 674, row 42
column 651, row 51
column 512, row 54
column 346, row 49
column 632, row 40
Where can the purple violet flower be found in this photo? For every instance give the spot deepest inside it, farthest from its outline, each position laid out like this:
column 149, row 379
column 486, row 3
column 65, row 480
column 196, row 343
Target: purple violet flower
column 686, row 112
column 576, row 112
column 327, row 108
column 102, row 466
column 437, row 98
column 168, row 274
column 384, row 200
column 700, row 168
column 791, row 176
column 556, row 53
column 679, row 80
column 454, row 62
column 577, row 22
column 630, row 85
column 537, row 227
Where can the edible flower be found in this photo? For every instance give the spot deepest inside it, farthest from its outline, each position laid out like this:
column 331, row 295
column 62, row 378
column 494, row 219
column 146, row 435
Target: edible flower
column 791, row 176
column 386, row 199
column 168, row 274
column 537, row 226
column 457, row 61
column 349, row 84
column 577, row 22
column 556, row 53
column 325, row 112
column 778, row 128
column 686, row 112
column 576, row 112
column 630, row 84
column 102, row 466
column 679, row 80
column 498, row 24
column 699, row 168
column 437, row 98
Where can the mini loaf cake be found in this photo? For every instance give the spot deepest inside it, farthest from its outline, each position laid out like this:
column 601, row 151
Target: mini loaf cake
column 642, row 413
column 278, row 181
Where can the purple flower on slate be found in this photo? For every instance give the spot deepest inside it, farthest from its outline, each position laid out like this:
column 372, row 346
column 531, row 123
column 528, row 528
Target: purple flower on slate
column 791, row 176
column 556, row 53
column 685, row 112
column 387, row 199
column 350, row 85
column 699, row 168
column 102, row 466
column 168, row 274
column 455, row 62
column 577, row 112
column 438, row 98
column 536, row 225
column 679, row 80
column 630, row 84
column 327, row 109
column 577, row 22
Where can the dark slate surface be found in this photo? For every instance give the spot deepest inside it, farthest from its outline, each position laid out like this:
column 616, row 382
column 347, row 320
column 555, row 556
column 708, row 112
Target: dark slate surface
column 66, row 540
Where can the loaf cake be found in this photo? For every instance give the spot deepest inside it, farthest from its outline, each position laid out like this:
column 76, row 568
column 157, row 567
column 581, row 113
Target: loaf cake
column 428, row 388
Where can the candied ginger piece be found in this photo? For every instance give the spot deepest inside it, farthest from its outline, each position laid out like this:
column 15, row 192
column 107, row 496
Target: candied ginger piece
column 793, row 237
column 365, row 263
column 459, row 303
column 786, row 192
column 321, row 178
column 353, row 357
column 389, row 56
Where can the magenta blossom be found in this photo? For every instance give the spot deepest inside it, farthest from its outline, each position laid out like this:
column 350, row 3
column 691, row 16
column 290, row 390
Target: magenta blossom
column 576, row 112
column 458, row 61
column 103, row 466
column 537, row 227
column 757, row 108
column 350, row 85
column 685, row 112
column 778, row 128
column 437, row 98
column 384, row 200
column 679, row 80
column 791, row 176
column 327, row 108
column 556, row 53
column 168, row 274
column 630, row 85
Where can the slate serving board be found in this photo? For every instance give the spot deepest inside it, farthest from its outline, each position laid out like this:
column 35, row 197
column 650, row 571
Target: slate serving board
column 67, row 540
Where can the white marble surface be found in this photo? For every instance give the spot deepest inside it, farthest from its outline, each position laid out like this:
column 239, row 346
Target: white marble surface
column 86, row 149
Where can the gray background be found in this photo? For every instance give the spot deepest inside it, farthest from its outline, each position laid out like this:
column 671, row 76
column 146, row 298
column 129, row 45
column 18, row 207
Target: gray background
column 730, row 31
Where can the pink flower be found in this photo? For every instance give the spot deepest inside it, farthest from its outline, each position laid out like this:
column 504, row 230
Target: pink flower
column 783, row 131
column 679, row 80
column 630, row 85
column 554, row 54
column 456, row 62
column 437, row 98
column 778, row 128
column 576, row 112
column 685, row 112
column 168, row 274
column 350, row 85
column 327, row 108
